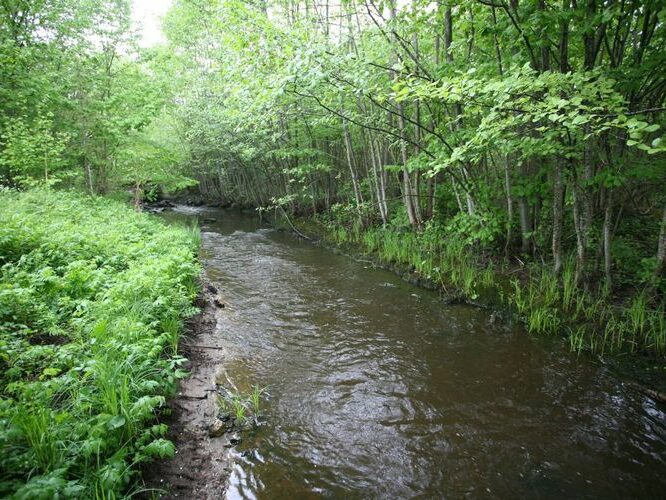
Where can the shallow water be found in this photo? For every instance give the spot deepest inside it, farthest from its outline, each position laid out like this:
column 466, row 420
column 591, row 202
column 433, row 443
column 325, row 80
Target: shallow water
column 378, row 389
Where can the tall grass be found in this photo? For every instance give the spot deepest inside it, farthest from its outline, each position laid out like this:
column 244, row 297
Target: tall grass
column 591, row 322
column 443, row 261
column 546, row 304
column 92, row 302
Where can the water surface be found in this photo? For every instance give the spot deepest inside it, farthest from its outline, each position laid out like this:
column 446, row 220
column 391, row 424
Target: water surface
column 376, row 389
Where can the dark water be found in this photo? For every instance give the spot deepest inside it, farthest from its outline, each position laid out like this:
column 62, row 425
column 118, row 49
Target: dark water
column 378, row 390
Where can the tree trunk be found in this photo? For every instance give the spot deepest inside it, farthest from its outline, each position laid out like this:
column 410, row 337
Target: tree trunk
column 583, row 213
column 380, row 186
column 509, row 205
column 558, row 217
column 608, row 221
column 525, row 224
column 430, row 197
column 661, row 250
column 352, row 168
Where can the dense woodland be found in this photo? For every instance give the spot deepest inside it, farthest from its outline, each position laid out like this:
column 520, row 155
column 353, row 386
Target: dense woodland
column 527, row 127
column 527, row 133
column 508, row 144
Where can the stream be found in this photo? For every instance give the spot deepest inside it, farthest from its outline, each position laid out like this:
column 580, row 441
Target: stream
column 375, row 388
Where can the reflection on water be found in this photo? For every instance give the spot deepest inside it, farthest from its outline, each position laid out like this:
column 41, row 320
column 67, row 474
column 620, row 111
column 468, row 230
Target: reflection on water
column 377, row 389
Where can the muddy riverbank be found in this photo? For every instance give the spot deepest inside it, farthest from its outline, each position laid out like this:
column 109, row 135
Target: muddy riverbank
column 202, row 462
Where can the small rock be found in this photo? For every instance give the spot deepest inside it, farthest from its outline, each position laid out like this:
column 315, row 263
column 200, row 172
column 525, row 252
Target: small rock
column 211, row 288
column 220, row 376
column 218, row 303
column 217, row 429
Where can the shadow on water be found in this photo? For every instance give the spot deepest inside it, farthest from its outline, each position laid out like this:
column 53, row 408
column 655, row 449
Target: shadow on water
column 377, row 389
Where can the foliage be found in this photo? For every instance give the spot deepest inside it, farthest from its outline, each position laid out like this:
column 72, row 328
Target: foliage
column 81, row 104
column 547, row 305
column 238, row 408
column 32, row 151
column 529, row 131
column 92, row 299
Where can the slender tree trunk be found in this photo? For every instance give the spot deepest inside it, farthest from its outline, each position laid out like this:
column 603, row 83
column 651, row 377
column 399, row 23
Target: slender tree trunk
column 525, row 224
column 138, row 194
column 583, row 213
column 608, row 222
column 457, row 195
column 498, row 52
column 661, row 250
column 564, row 38
column 379, row 182
column 558, row 217
column 407, row 189
column 372, row 179
column 545, row 49
column 457, row 107
column 416, row 185
column 580, row 225
column 509, row 205
column 352, row 168
column 406, row 184
column 430, row 197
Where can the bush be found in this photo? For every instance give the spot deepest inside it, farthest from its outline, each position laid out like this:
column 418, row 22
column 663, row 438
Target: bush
column 92, row 300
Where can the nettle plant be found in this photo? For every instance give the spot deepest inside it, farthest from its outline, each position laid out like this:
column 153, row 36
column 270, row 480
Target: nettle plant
column 92, row 301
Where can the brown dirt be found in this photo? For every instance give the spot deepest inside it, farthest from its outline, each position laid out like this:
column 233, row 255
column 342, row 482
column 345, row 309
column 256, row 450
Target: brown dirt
column 200, row 468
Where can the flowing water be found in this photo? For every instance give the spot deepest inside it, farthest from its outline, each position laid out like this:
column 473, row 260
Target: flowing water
column 377, row 389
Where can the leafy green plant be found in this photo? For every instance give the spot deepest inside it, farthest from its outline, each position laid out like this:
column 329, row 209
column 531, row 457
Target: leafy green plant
column 92, row 301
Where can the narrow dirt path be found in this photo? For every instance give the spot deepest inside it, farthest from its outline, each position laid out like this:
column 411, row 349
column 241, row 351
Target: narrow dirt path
column 200, row 468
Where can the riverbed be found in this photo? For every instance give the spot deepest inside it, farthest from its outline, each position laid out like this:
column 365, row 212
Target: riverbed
column 376, row 388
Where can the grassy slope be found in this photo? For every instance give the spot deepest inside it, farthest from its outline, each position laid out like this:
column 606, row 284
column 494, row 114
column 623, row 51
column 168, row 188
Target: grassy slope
column 92, row 299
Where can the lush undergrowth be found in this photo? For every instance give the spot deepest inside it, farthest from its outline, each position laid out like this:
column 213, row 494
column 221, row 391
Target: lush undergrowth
column 92, row 300
column 547, row 305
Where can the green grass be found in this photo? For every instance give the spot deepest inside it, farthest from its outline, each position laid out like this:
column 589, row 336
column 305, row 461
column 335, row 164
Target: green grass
column 241, row 407
column 443, row 261
column 591, row 322
column 255, row 399
column 92, row 301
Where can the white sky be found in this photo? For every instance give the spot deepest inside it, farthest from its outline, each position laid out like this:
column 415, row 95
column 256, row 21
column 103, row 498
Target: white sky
column 146, row 15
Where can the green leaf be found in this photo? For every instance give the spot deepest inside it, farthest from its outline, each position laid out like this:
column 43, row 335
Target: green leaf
column 116, row 422
column 160, row 448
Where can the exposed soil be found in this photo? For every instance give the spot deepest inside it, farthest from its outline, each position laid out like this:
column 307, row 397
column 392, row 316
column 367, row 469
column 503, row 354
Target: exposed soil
column 200, row 468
